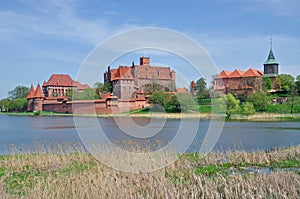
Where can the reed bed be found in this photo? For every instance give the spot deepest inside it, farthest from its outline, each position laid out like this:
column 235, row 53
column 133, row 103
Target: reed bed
column 73, row 173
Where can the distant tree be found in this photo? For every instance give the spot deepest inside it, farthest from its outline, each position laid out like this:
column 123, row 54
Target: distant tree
column 229, row 104
column 159, row 98
column 153, row 87
column 297, row 84
column 293, row 92
column 172, row 86
column 259, row 100
column 284, row 82
column 202, row 91
column 18, row 92
column 3, row 104
column 173, row 104
column 87, row 94
column 248, row 108
column 16, row 105
column 100, row 87
column 267, row 83
column 187, row 102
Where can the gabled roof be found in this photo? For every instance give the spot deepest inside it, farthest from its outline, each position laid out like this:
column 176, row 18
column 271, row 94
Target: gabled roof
column 60, row 79
column 38, row 92
column 223, row 74
column 236, row 73
column 31, row 93
column 252, row 73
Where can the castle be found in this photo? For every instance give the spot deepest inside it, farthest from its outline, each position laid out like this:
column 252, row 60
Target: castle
column 130, row 88
column 128, row 81
column 246, row 82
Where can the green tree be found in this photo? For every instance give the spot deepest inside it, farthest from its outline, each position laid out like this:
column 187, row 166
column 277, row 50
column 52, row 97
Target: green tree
column 248, row 108
column 15, row 105
column 201, row 88
column 172, row 104
column 87, row 94
column 187, row 102
column 284, row 82
column 297, row 84
column 291, row 101
column 159, row 98
column 3, row 104
column 18, row 92
column 259, row 100
column 100, row 87
column 229, row 104
column 267, row 83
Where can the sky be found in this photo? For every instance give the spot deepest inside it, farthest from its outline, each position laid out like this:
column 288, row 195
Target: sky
column 39, row 38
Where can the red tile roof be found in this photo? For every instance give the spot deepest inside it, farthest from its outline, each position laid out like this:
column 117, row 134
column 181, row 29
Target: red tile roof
column 31, row 93
column 252, row 73
column 143, row 71
column 181, row 90
column 239, row 73
column 60, row 80
column 236, row 73
column 38, row 92
column 223, row 74
column 123, row 72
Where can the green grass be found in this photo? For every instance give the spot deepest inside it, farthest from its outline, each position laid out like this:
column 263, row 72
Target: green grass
column 212, row 169
column 286, row 164
column 205, row 108
column 282, row 108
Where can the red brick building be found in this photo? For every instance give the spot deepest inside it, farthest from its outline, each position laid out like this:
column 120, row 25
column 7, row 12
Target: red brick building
column 60, row 84
column 241, row 82
column 127, row 81
column 238, row 81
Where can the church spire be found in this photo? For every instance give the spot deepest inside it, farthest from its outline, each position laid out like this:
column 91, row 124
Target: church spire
column 271, row 64
column 271, row 58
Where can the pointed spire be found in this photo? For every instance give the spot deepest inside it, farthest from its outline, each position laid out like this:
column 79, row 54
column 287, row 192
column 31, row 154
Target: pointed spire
column 31, row 92
column 271, row 58
column 38, row 92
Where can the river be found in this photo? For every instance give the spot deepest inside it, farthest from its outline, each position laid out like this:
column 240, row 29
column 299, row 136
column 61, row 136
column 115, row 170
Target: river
column 28, row 131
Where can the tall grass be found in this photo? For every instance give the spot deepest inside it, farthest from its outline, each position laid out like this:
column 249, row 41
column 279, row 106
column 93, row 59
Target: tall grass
column 70, row 174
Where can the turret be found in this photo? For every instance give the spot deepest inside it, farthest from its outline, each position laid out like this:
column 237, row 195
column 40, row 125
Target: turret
column 38, row 99
column 30, row 98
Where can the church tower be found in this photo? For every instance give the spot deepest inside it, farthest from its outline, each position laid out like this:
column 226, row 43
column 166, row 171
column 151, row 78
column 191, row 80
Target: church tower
column 271, row 65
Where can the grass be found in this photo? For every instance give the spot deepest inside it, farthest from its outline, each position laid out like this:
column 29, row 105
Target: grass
column 216, row 175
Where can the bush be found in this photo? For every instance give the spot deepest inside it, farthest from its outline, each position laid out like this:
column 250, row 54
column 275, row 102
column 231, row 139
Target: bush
column 248, row 109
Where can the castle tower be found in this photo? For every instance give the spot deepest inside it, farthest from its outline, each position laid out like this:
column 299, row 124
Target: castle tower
column 38, row 99
column 30, row 98
column 271, row 65
column 145, row 61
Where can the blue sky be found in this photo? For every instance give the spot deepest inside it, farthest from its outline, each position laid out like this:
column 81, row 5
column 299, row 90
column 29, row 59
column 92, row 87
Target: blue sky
column 38, row 38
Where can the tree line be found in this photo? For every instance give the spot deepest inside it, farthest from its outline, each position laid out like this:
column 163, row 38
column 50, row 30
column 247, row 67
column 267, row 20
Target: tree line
column 245, row 104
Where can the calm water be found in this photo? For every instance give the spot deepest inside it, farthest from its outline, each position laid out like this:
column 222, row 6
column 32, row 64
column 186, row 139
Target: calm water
column 26, row 131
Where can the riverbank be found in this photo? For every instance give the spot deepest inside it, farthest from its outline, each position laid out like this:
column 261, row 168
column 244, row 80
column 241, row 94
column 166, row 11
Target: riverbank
column 272, row 174
column 263, row 117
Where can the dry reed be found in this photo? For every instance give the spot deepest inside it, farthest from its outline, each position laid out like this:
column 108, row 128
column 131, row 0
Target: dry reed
column 80, row 175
